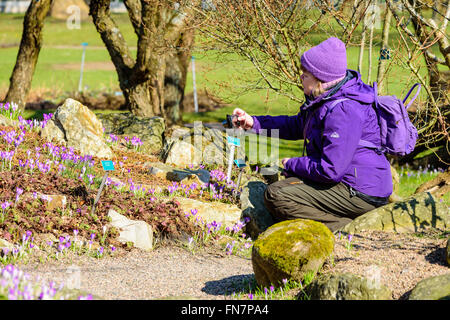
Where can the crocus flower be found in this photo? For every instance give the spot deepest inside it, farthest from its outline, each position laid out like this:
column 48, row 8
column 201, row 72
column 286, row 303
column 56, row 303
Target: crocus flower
column 6, row 205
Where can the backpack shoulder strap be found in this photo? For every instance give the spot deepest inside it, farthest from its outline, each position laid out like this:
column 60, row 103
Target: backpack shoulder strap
column 368, row 144
column 415, row 96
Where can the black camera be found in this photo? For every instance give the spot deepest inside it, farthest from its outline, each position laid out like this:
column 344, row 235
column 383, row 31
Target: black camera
column 228, row 123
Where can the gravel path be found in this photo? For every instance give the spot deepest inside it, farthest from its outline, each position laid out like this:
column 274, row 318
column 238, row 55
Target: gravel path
column 399, row 261
column 164, row 272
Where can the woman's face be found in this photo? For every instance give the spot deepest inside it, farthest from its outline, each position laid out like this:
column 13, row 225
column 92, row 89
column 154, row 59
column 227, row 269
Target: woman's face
column 309, row 82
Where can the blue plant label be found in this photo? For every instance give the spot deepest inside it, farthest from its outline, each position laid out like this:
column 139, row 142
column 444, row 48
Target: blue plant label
column 385, row 54
column 108, row 165
column 84, row 44
column 234, row 141
column 240, row 163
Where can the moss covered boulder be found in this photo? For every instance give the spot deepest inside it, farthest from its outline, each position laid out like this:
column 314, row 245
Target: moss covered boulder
column 289, row 250
column 347, row 286
column 149, row 129
column 417, row 213
column 434, row 288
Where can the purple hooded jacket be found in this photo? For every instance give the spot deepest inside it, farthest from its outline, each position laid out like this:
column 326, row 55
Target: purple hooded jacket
column 332, row 136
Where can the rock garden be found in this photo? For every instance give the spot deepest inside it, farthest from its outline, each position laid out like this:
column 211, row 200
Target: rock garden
column 170, row 226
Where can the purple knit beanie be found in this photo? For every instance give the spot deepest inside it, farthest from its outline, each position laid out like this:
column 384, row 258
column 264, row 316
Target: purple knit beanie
column 327, row 61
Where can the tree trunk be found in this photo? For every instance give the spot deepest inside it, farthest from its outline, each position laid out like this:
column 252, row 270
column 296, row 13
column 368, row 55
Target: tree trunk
column 384, row 47
column 437, row 77
column 175, row 77
column 361, row 48
column 372, row 25
column 30, row 46
column 144, row 81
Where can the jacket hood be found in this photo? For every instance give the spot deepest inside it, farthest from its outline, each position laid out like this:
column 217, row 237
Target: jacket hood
column 351, row 87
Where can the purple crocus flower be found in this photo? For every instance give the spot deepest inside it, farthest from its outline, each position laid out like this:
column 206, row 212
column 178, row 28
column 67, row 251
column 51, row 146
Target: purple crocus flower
column 6, row 205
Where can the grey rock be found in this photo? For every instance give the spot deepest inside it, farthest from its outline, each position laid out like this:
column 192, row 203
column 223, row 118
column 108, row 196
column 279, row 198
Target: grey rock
column 254, row 210
column 209, row 146
column 5, row 244
column 149, row 129
column 434, row 288
column 138, row 232
column 4, row 121
column 419, row 212
column 183, row 154
column 201, row 176
column 225, row 214
column 394, row 197
column 74, row 125
column 347, row 286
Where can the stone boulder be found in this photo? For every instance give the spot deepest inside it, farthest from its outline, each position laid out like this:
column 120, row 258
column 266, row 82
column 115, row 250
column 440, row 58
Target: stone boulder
column 347, row 286
column 225, row 214
column 138, row 232
column 54, row 201
column 434, row 288
column 5, row 244
column 187, row 176
column 253, row 208
column 419, row 212
column 4, row 121
column 199, row 144
column 149, row 129
column 183, row 154
column 289, row 250
column 74, row 125
column 394, row 197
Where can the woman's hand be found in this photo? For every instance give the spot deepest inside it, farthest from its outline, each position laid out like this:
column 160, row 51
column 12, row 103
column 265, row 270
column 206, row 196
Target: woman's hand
column 245, row 120
column 283, row 162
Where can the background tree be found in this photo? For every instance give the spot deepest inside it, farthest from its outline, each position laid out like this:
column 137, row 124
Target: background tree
column 432, row 118
column 164, row 36
column 271, row 34
column 27, row 57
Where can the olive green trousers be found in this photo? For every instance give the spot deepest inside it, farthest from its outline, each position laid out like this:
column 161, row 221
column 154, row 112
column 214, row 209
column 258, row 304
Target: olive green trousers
column 333, row 205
